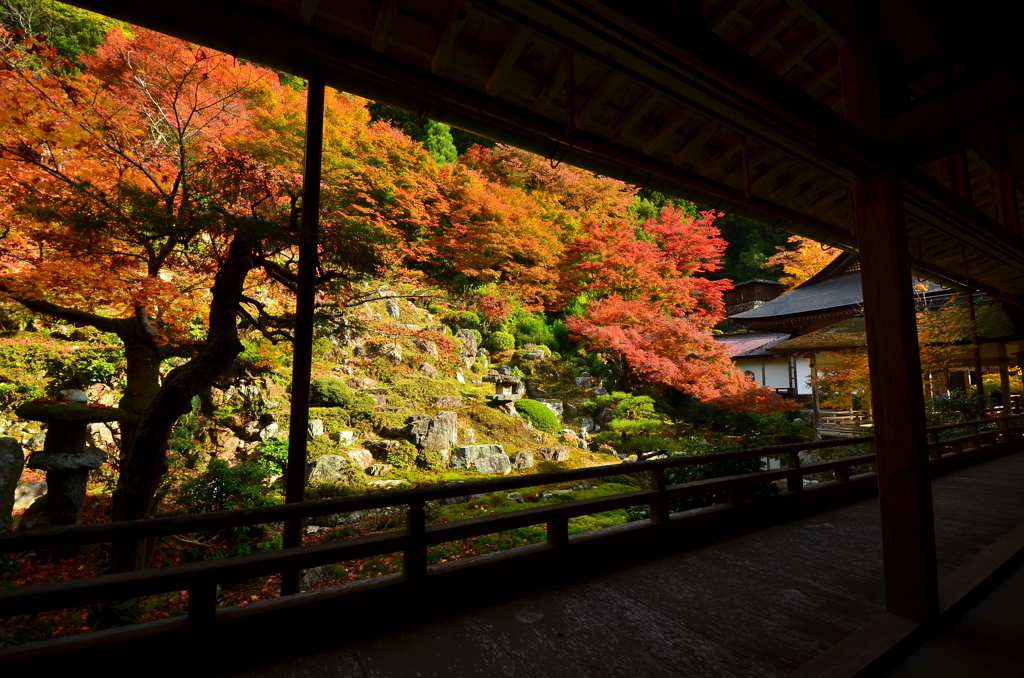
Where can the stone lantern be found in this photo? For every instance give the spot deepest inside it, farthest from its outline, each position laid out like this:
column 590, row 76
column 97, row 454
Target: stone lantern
column 67, row 457
column 507, row 389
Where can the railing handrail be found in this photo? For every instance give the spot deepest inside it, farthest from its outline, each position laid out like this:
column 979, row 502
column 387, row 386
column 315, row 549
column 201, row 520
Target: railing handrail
column 975, row 422
column 168, row 525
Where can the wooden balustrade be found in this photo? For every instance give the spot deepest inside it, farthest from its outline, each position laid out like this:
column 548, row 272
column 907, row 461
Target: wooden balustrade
column 201, row 579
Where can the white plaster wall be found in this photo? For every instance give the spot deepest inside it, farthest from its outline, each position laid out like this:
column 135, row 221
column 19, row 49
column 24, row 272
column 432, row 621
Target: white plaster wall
column 803, row 375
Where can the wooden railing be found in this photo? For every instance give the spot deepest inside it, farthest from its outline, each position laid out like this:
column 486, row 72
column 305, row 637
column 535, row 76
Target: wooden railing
column 844, row 424
column 201, row 579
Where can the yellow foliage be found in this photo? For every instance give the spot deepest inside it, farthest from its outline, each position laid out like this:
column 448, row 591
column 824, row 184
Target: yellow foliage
column 800, row 264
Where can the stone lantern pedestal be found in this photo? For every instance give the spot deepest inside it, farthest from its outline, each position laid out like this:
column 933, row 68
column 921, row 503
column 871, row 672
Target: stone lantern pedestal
column 67, row 457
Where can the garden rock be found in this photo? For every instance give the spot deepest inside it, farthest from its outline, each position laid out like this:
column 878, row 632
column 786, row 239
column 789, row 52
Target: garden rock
column 381, row 448
column 522, row 459
column 391, row 351
column 467, row 455
column 459, row 378
column 556, row 453
column 269, row 432
column 469, row 345
column 469, row 436
column 600, row 391
column 584, row 380
column 343, row 437
column 605, row 416
column 429, row 370
column 386, row 484
column 377, row 470
column 26, row 493
column 314, row 429
column 361, row 382
column 517, row 497
column 330, row 468
column 101, row 436
column 555, row 406
column 428, row 347
column 572, row 437
column 494, row 464
column 362, row 458
column 74, row 395
column 393, row 309
column 433, row 434
column 315, row 575
column 12, row 462
column 448, row 402
column 588, row 425
column 36, row 442
column 536, row 354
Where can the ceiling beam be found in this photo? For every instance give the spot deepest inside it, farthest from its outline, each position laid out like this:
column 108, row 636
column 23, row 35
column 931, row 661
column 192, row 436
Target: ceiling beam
column 970, row 116
column 443, row 51
column 385, row 14
column 513, row 50
column 831, row 19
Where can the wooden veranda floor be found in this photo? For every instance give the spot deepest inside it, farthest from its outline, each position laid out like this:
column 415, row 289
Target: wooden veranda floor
column 759, row 604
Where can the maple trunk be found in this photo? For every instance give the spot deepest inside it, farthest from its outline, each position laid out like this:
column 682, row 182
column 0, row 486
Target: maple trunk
column 144, row 460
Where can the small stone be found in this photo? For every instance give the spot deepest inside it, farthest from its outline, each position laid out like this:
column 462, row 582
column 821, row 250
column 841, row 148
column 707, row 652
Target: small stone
column 361, row 382
column 469, row 345
column 269, row 432
column 429, row 370
column 459, row 378
column 517, row 497
column 377, row 470
column 315, row 575
column 600, row 391
column 536, row 354
column 522, row 459
column 393, row 308
column 584, row 380
column 469, row 436
column 36, row 442
column 588, row 425
column 428, row 347
column 605, row 416
column 448, row 402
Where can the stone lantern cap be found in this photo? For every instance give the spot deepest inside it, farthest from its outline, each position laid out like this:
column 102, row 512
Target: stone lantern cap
column 66, row 412
column 85, row 460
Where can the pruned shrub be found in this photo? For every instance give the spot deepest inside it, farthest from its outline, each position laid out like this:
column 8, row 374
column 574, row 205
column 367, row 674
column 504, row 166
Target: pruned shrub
column 538, row 414
column 329, row 392
column 501, row 341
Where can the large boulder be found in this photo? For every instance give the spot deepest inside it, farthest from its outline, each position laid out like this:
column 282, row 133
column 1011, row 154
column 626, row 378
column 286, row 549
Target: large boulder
column 433, row 434
column 484, row 458
column 381, row 448
column 12, row 462
column 363, row 458
column 330, row 468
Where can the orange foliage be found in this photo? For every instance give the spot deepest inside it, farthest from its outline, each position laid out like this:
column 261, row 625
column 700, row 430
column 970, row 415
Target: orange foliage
column 756, row 399
column 803, row 262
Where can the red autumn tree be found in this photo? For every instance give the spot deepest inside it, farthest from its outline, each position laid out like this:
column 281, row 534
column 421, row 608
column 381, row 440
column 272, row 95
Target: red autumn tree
column 652, row 311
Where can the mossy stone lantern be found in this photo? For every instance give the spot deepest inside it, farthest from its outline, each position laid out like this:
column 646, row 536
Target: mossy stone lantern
column 67, row 457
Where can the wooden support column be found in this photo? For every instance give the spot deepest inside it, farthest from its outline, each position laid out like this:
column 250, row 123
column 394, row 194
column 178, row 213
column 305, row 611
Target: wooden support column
column 815, row 403
column 975, row 347
column 1004, row 377
column 901, row 445
column 302, row 356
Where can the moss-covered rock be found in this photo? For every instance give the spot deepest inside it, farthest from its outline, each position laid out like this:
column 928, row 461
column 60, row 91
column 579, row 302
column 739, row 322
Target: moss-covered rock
column 53, row 412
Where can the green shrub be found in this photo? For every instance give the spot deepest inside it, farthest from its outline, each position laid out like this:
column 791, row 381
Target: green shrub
column 954, row 408
column 530, row 329
column 501, row 341
column 272, row 455
column 404, row 455
column 538, row 414
column 329, row 392
column 462, row 320
column 635, row 408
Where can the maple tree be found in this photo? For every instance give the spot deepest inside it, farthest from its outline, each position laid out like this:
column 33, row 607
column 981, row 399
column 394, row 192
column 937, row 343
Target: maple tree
column 802, row 262
column 156, row 196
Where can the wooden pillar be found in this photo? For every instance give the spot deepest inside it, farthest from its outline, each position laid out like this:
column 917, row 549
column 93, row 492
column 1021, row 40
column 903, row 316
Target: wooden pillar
column 302, row 357
column 815, row 403
column 1004, row 377
column 1005, row 196
column 904, row 482
column 975, row 347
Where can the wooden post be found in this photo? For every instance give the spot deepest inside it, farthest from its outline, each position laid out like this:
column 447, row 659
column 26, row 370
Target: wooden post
column 815, row 404
column 1004, row 377
column 901, row 445
column 305, row 300
column 975, row 347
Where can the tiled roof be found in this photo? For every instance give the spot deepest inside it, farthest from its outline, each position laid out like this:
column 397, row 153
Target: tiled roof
column 750, row 344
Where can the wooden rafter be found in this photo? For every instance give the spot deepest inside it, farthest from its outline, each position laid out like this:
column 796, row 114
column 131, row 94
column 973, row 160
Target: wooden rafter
column 667, row 129
column 443, row 51
column 513, row 50
column 385, row 15
column 607, row 87
column 695, row 142
column 554, row 84
column 641, row 107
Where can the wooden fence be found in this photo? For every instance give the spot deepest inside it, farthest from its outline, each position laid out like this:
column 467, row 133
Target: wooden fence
column 202, row 578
